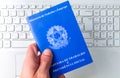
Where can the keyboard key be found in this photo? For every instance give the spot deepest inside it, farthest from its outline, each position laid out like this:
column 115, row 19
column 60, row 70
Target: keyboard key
column 1, row 44
column 103, row 12
column 3, row 6
column 76, row 12
column 116, row 35
column 82, row 6
column 103, row 6
column 23, row 20
column 116, row 23
column 28, row 12
column 88, row 21
column 14, row 35
column 6, row 35
column 10, row 27
column 96, row 12
column 97, row 35
column 6, row 43
column 116, row 12
column 117, row 42
column 103, row 27
column 32, row 6
column 86, row 13
column 18, row 27
column 1, row 36
column 109, row 6
column 12, row 13
column 110, row 35
column 20, row 44
column 4, row 13
column 89, row 42
column 25, row 6
column 116, row 6
column 39, row 6
column 110, row 19
column 22, row 35
column 87, row 35
column 20, row 13
column 75, row 6
column 8, row 20
column 100, row 43
column 96, row 27
column 103, row 19
column 2, row 20
column 110, row 42
column 2, row 28
column 10, row 6
column 96, row 6
column 89, row 6
column 26, row 28
column 82, row 26
column 103, row 35
column 110, row 26
column 110, row 12
column 16, row 20
column 35, row 11
column 18, row 6
column 29, row 36
column 96, row 20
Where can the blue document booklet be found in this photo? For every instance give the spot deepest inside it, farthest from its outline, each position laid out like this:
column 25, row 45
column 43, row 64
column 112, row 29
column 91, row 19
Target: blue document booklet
column 56, row 28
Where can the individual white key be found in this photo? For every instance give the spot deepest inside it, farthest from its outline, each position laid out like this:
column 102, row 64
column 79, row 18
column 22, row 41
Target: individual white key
column 23, row 20
column 6, row 43
column 18, row 27
column 110, row 19
column 75, row 6
column 10, row 6
column 10, row 27
column 22, row 36
column 89, row 6
column 32, row 6
column 88, row 21
column 103, row 19
column 82, row 6
column 82, row 26
column 46, row 6
column 2, row 28
column 110, row 27
column 116, row 6
column 116, row 35
column 18, row 6
column 110, row 12
column 14, row 35
column 96, row 6
column 97, row 35
column 1, row 44
column 8, row 20
column 39, row 6
column 25, row 6
column 86, row 13
column 101, row 43
column 3, row 6
column 96, row 12
column 1, row 36
column 79, row 19
column 2, row 20
column 96, row 20
column 89, row 42
column 96, row 27
column 102, row 6
column 28, row 12
column 4, row 12
column 20, row 13
column 109, row 6
column 6, row 35
column 117, row 42
column 76, row 12
column 103, row 35
column 29, row 36
column 87, row 34
column 12, row 13
column 116, row 23
column 110, row 35
column 116, row 12
column 26, row 28
column 110, row 42
column 16, row 20
column 35, row 11
column 103, row 12
column 103, row 26
column 20, row 44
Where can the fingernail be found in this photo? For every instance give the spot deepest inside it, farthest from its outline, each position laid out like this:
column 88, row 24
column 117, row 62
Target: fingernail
column 47, row 52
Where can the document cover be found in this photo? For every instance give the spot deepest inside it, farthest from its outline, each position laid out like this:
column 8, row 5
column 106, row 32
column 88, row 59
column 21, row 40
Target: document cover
column 56, row 28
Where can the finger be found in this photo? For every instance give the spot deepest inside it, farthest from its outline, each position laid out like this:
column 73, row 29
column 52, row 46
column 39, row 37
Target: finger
column 31, row 62
column 62, row 76
column 45, row 61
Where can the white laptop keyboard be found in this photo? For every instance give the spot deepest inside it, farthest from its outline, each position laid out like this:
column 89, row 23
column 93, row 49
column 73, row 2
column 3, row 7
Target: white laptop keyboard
column 100, row 24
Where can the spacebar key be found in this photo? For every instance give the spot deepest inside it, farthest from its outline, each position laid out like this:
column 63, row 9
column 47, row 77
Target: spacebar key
column 20, row 44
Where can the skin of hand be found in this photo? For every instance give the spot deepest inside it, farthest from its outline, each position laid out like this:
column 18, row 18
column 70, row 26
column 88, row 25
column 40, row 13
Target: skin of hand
column 37, row 65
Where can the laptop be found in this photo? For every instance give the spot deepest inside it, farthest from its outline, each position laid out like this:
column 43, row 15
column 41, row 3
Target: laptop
column 99, row 21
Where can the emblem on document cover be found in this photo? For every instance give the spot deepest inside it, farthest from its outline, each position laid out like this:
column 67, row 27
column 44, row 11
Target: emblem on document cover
column 57, row 36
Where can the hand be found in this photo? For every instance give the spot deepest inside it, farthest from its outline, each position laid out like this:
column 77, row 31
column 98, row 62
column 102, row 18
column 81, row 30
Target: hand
column 37, row 66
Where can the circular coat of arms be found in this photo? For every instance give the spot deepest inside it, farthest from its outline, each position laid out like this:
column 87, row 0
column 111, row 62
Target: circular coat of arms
column 57, row 37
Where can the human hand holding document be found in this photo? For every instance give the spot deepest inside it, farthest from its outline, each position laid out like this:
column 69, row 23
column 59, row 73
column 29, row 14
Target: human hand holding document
column 57, row 29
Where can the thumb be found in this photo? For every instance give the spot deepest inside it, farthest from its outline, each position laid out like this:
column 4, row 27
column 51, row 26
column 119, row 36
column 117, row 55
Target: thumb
column 45, row 63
